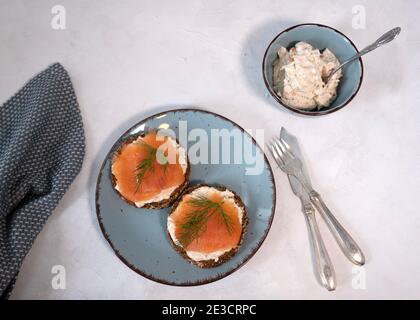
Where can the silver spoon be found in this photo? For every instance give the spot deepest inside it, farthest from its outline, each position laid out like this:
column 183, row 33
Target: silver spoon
column 387, row 37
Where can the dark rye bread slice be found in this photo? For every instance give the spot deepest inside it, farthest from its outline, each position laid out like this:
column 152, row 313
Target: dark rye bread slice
column 151, row 205
column 227, row 255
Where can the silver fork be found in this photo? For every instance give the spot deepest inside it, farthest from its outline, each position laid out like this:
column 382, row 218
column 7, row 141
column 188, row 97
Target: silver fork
column 293, row 166
column 322, row 263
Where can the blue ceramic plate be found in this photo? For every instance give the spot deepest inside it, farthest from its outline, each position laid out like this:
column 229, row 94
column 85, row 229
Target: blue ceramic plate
column 139, row 236
column 320, row 37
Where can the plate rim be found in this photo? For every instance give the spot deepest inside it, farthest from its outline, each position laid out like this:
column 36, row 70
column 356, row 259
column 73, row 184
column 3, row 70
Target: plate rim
column 219, row 276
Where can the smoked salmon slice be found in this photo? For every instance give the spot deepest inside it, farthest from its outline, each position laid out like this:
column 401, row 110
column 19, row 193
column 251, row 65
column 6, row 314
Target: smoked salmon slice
column 207, row 225
column 150, row 170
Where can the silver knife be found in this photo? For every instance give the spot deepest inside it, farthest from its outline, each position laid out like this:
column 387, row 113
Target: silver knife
column 320, row 256
column 347, row 244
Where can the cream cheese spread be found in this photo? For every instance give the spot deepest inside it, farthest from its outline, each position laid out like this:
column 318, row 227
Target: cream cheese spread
column 298, row 76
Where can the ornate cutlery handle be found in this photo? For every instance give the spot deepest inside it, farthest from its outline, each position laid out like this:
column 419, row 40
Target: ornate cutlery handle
column 323, row 263
column 349, row 247
column 385, row 38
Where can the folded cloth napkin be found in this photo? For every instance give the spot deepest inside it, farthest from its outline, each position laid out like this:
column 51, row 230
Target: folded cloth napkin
column 42, row 147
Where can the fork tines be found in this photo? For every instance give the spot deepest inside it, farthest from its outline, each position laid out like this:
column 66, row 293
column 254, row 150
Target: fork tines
column 280, row 150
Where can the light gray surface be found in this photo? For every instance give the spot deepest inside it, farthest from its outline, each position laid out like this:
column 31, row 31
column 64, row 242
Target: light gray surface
column 135, row 58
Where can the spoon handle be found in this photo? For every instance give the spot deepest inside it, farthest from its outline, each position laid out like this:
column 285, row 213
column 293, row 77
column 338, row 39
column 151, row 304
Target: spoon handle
column 387, row 37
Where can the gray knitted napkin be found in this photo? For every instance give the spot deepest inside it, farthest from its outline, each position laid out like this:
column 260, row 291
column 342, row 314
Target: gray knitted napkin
column 41, row 151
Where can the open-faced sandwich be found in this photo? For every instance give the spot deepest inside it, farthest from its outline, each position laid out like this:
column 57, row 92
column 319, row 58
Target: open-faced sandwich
column 150, row 171
column 207, row 225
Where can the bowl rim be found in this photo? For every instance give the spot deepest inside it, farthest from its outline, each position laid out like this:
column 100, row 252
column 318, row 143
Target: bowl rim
column 306, row 112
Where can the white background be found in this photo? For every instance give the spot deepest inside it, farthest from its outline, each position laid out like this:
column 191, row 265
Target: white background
column 130, row 59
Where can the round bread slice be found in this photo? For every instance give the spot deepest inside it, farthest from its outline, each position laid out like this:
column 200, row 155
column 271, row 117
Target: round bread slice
column 207, row 224
column 150, row 171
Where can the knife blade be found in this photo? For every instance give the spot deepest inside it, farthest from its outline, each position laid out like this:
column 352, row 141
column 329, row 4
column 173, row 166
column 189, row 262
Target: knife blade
column 296, row 186
column 299, row 191
column 294, row 146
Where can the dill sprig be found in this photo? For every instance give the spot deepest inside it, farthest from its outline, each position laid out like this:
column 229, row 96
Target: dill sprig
column 147, row 164
column 197, row 219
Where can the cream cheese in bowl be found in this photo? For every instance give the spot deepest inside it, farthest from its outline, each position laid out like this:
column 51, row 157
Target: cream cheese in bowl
column 298, row 76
